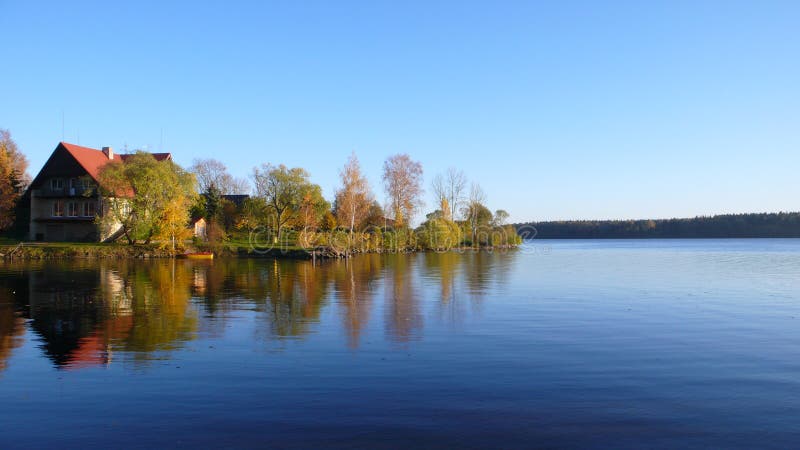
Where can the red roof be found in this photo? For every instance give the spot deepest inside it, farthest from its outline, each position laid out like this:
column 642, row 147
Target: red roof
column 92, row 159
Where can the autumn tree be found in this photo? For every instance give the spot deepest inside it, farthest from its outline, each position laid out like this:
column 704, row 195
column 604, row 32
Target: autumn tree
column 146, row 197
column 449, row 190
column 211, row 172
column 354, row 198
column 171, row 230
column 282, row 189
column 312, row 208
column 376, row 217
column 13, row 178
column 402, row 180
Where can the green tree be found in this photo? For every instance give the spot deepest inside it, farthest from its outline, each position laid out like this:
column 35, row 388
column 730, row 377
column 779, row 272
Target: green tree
column 283, row 190
column 144, row 196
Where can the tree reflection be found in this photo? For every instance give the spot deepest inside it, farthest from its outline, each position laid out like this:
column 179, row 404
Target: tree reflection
column 150, row 308
column 12, row 326
column 353, row 279
column 445, row 267
column 403, row 317
column 89, row 313
column 295, row 294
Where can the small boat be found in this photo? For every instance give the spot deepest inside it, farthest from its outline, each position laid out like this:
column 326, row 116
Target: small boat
column 198, row 255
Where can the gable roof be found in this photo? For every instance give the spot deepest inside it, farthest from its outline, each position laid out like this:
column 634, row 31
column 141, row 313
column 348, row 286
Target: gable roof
column 91, row 159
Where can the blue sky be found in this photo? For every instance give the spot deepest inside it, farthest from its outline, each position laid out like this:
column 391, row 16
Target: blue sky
column 559, row 109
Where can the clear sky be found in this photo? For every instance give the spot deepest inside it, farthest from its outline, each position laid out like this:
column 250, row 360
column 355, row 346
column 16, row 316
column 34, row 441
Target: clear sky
column 559, row 109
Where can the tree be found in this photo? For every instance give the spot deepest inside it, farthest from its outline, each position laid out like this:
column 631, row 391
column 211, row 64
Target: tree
column 211, row 172
column 449, row 190
column 213, row 202
column 254, row 213
column 354, row 198
column 282, row 189
column 475, row 213
column 500, row 217
column 13, row 178
column 312, row 207
column 328, row 221
column 171, row 230
column 402, row 180
column 145, row 197
column 376, row 217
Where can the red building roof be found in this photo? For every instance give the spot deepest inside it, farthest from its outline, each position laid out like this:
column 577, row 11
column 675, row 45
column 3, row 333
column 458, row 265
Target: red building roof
column 92, row 159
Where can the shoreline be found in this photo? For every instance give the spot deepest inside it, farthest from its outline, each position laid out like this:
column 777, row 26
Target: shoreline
column 58, row 250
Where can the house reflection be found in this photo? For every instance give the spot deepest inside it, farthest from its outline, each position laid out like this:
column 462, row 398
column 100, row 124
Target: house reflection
column 84, row 314
column 95, row 313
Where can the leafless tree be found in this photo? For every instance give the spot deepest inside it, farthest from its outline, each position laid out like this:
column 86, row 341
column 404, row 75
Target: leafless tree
column 211, row 172
column 354, row 198
column 449, row 190
column 474, row 207
column 402, row 180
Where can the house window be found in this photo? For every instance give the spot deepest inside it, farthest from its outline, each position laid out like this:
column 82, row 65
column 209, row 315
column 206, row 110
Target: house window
column 86, row 183
column 58, row 208
column 57, row 184
column 88, row 209
column 72, row 209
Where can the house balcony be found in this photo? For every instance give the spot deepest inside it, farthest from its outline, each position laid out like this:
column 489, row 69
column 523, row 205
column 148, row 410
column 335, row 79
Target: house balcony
column 72, row 219
column 67, row 192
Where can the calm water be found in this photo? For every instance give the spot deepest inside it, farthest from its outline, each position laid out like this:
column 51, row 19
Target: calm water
column 561, row 344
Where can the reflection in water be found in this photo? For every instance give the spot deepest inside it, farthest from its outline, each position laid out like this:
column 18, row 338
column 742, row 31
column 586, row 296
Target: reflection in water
column 403, row 315
column 12, row 326
column 657, row 343
column 90, row 313
column 353, row 281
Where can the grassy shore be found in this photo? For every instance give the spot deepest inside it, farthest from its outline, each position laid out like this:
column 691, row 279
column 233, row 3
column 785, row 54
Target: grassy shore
column 67, row 250
column 246, row 245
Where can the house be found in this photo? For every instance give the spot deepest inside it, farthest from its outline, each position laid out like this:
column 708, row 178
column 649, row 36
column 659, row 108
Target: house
column 199, row 228
column 64, row 199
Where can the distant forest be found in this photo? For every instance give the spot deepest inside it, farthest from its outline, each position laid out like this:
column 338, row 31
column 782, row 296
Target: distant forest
column 773, row 225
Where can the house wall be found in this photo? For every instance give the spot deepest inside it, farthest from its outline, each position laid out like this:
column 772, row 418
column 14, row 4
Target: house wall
column 109, row 228
column 200, row 228
column 44, row 226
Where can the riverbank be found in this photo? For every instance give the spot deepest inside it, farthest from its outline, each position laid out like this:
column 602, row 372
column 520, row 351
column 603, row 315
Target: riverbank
column 12, row 251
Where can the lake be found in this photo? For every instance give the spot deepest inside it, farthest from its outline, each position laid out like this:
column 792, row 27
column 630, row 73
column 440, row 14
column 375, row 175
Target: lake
column 614, row 344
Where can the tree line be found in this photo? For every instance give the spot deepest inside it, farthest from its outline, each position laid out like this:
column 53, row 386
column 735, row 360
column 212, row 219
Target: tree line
column 287, row 208
column 155, row 201
column 759, row 225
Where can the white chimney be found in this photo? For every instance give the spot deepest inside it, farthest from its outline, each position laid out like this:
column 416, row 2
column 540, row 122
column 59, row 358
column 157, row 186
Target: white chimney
column 108, row 151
